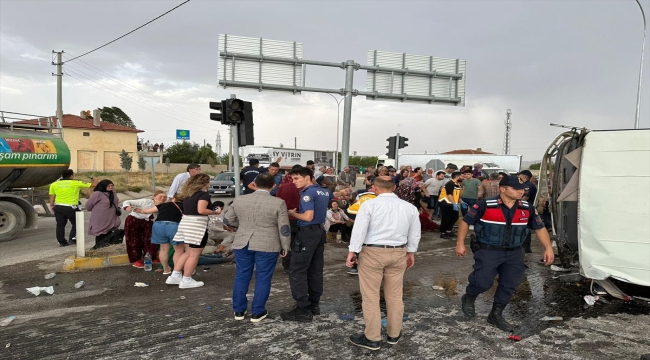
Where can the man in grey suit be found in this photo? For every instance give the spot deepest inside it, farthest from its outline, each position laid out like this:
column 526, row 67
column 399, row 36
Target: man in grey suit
column 263, row 234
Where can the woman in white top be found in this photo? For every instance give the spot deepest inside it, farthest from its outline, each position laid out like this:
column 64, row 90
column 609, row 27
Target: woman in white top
column 137, row 229
column 335, row 220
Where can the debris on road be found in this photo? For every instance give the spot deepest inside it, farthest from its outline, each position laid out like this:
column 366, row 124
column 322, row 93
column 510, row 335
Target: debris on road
column 182, row 297
column 8, row 345
column 140, row 284
column 559, row 269
column 79, row 284
column 591, row 300
column 49, row 276
column 436, row 287
column 514, row 338
column 209, row 307
column 346, row 317
column 551, row 318
column 7, row 321
column 36, row 290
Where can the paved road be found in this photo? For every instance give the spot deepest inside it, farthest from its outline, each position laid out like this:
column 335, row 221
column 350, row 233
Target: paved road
column 109, row 318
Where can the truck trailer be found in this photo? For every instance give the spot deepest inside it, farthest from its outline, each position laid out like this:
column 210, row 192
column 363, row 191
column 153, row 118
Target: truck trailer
column 491, row 162
column 290, row 157
column 30, row 156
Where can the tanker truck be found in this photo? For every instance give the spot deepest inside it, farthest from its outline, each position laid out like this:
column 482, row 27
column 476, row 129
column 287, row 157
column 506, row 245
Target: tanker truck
column 30, row 156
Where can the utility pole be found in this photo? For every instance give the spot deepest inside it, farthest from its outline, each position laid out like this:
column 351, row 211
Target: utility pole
column 397, row 152
column 506, row 137
column 218, row 144
column 295, row 142
column 59, row 86
column 347, row 112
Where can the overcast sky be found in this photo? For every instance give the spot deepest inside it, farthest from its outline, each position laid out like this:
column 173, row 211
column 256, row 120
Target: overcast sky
column 567, row 62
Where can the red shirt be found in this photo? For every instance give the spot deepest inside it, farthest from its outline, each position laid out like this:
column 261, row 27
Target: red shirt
column 291, row 196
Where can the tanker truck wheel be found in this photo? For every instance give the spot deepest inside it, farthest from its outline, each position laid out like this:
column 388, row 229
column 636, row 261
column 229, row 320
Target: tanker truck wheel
column 12, row 220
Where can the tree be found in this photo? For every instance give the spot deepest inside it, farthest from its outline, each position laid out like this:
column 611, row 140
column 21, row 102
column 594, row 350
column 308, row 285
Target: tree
column 189, row 152
column 115, row 115
column 141, row 163
column 126, row 161
column 535, row 166
column 168, row 164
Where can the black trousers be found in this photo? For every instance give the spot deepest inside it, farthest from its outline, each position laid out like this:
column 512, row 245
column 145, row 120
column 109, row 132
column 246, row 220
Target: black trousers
column 449, row 217
column 63, row 214
column 306, row 272
column 510, row 267
column 343, row 228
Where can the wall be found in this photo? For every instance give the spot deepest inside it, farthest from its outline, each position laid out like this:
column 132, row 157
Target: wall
column 100, row 150
column 179, row 168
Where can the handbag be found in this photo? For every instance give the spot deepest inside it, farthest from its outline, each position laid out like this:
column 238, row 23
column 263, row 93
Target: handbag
column 118, row 211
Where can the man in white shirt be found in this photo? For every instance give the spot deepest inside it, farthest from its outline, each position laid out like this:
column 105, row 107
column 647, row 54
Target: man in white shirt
column 387, row 234
column 431, row 189
column 180, row 179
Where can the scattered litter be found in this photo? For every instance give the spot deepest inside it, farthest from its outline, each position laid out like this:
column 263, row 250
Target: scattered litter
column 7, row 321
column 168, row 315
column 591, row 300
column 346, row 317
column 208, row 307
column 50, row 275
column 8, row 345
column 180, row 336
column 514, row 338
column 627, row 298
column 551, row 318
column 79, row 284
column 206, row 268
column 597, row 289
column 553, row 303
column 436, row 287
column 182, row 297
column 560, row 269
column 440, row 296
column 36, row 290
column 140, row 284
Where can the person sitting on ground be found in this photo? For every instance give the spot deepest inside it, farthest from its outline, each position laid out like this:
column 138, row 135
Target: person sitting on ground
column 137, row 229
column 164, row 229
column 336, row 220
column 102, row 205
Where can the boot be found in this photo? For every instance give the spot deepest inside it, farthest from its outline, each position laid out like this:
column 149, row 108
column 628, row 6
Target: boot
column 467, row 304
column 496, row 318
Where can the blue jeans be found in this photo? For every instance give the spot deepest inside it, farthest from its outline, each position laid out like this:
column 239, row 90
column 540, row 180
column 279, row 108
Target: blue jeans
column 470, row 203
column 264, row 263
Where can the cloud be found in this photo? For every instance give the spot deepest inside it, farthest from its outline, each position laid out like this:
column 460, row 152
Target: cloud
column 10, row 91
column 33, row 57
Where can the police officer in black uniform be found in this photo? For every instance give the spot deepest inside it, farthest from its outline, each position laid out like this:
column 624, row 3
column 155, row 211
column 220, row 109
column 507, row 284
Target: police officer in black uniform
column 307, row 260
column 500, row 225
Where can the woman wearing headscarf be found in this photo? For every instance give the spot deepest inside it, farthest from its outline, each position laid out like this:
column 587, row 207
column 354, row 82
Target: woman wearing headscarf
column 477, row 170
column 103, row 208
column 192, row 230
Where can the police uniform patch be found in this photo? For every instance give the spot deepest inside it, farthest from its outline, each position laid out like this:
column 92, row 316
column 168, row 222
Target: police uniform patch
column 476, row 206
column 306, row 198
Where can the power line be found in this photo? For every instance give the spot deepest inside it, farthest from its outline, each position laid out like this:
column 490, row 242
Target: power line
column 139, row 27
column 120, row 97
column 101, row 72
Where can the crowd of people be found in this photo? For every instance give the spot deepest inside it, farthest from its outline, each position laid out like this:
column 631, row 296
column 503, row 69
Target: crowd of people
column 148, row 146
column 291, row 216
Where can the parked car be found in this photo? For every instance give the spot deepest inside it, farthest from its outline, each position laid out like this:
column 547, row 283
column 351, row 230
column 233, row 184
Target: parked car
column 222, row 184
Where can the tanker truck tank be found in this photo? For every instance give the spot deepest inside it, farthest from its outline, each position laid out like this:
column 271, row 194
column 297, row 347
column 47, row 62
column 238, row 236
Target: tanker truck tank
column 30, row 156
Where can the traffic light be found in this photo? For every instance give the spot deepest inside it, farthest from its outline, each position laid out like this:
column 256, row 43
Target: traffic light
column 402, row 142
column 391, row 147
column 245, row 128
column 216, row 105
column 233, row 112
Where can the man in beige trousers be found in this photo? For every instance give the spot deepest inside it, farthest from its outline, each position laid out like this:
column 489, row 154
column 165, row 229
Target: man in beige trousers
column 386, row 235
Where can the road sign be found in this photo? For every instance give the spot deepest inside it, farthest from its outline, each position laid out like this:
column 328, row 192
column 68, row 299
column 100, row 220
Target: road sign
column 251, row 60
column 419, row 78
column 182, row 134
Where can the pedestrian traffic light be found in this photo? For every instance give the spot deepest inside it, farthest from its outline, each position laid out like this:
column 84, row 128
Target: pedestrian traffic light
column 402, row 142
column 245, row 128
column 233, row 112
column 216, row 105
column 391, row 147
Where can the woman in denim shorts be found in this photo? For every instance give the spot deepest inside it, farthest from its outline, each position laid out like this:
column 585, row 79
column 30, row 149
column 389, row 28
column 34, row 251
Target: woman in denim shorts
column 164, row 229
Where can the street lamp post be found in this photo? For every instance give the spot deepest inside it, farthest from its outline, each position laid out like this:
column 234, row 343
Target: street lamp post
column 638, row 91
column 338, row 116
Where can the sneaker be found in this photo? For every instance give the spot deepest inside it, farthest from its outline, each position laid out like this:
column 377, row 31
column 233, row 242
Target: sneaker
column 190, row 284
column 240, row 315
column 362, row 341
column 138, row 264
column 393, row 340
column 173, row 280
column 64, row 244
column 259, row 317
column 297, row 314
column 353, row 271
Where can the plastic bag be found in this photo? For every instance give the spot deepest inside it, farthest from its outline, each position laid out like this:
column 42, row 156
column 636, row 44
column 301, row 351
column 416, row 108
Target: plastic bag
column 36, row 290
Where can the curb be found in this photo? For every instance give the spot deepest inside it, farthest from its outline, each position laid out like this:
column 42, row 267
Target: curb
column 75, row 263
